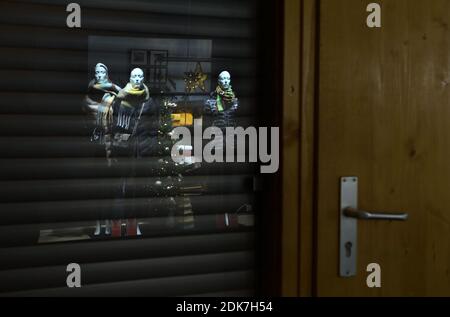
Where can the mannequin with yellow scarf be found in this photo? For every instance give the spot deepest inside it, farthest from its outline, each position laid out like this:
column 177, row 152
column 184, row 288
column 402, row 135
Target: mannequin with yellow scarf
column 131, row 100
column 100, row 97
column 99, row 103
column 128, row 109
column 223, row 101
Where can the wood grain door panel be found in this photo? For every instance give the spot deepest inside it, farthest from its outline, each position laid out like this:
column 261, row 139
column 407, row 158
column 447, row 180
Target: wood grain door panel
column 384, row 116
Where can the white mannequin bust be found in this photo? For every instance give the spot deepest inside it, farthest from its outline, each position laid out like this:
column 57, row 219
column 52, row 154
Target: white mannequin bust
column 224, row 80
column 137, row 78
column 101, row 73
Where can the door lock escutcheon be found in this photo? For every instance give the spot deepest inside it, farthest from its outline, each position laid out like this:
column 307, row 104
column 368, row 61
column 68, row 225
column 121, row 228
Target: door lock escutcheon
column 349, row 216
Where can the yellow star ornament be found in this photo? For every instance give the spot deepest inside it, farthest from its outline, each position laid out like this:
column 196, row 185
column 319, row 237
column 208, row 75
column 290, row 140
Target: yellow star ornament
column 194, row 80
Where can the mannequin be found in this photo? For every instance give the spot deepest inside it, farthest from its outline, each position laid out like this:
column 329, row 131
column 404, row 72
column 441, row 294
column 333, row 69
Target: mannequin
column 129, row 106
column 100, row 97
column 225, row 97
column 132, row 99
column 223, row 102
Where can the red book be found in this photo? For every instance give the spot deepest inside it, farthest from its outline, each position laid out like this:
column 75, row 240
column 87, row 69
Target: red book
column 116, row 228
column 131, row 227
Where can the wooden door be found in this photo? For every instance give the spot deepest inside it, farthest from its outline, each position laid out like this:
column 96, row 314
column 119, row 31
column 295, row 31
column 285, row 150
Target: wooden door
column 384, row 116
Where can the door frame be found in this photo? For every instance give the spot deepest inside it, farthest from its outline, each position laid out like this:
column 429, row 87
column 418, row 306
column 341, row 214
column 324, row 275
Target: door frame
column 300, row 81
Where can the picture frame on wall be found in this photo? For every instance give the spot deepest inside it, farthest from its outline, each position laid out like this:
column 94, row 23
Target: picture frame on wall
column 139, row 57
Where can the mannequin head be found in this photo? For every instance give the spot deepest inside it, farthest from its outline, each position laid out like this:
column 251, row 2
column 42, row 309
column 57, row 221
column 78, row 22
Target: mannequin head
column 137, row 78
column 101, row 73
column 225, row 80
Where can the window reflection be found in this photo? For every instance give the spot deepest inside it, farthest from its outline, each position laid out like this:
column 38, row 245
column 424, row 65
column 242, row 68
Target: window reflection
column 139, row 91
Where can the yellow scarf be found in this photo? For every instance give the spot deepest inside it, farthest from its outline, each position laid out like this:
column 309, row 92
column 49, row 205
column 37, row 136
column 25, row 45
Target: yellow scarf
column 129, row 90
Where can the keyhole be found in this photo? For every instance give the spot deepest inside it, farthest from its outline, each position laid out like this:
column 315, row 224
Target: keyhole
column 348, row 249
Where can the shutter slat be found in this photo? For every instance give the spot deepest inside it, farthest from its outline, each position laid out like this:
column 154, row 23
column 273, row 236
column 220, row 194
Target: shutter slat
column 174, row 286
column 76, row 125
column 21, row 36
column 126, row 21
column 70, row 168
column 107, row 272
column 61, row 82
column 50, row 104
column 85, row 189
column 103, row 251
column 233, row 8
column 41, row 212
column 42, row 233
column 51, row 147
column 75, row 61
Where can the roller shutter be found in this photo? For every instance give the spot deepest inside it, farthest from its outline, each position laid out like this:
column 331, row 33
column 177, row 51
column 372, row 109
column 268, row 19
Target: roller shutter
column 55, row 182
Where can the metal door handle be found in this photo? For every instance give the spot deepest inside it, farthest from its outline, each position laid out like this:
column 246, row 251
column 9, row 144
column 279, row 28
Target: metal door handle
column 350, row 214
column 368, row 215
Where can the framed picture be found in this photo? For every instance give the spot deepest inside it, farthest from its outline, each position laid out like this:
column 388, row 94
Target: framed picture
column 139, row 57
column 158, row 58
